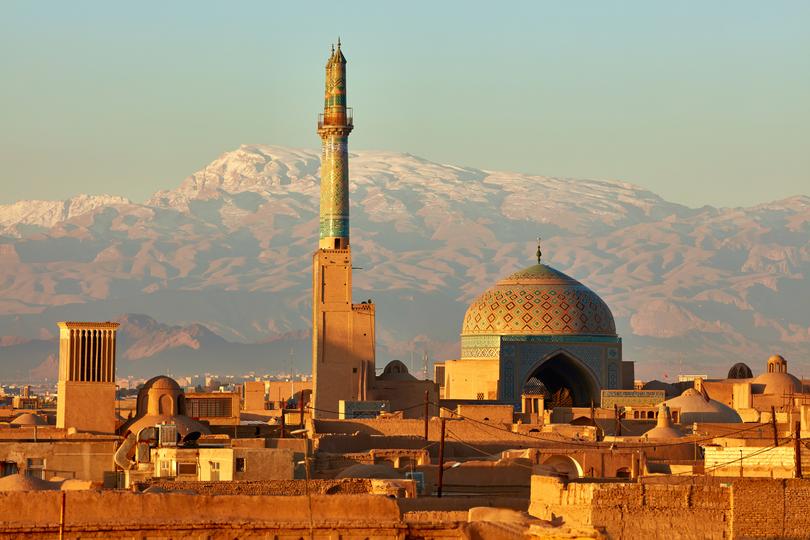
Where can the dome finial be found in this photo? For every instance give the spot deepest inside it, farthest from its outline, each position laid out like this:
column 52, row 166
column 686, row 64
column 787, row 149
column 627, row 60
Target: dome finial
column 539, row 253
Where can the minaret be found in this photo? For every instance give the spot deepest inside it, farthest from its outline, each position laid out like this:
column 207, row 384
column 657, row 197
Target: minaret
column 334, row 126
column 343, row 340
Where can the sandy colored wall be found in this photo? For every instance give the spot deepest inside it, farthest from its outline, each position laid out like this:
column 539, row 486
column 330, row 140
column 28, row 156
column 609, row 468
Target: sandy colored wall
column 466, row 379
column 488, row 413
column 265, row 464
column 253, row 396
column 756, row 461
column 284, row 390
column 407, row 396
column 677, row 512
column 109, row 514
column 86, row 406
column 85, row 460
column 675, row 509
column 771, row 508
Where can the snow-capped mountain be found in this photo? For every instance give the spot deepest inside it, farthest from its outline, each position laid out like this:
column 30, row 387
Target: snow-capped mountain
column 229, row 249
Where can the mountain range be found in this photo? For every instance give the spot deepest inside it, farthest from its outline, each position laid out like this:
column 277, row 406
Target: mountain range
column 213, row 275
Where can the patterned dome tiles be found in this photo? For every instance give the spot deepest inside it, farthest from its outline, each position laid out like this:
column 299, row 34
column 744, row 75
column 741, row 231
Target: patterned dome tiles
column 539, row 300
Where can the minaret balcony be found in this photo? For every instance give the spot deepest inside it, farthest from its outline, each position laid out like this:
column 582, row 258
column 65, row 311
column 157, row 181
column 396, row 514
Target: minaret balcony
column 336, row 119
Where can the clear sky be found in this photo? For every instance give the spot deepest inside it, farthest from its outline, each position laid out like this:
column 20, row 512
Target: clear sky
column 701, row 102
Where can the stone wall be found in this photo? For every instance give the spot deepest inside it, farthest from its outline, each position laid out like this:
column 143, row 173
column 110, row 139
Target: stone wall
column 771, row 508
column 678, row 512
column 679, row 508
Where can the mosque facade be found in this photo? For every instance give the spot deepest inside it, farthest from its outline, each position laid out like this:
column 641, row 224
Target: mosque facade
column 537, row 331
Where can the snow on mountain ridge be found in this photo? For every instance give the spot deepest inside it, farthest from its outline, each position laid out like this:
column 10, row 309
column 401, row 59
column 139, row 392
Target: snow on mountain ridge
column 48, row 213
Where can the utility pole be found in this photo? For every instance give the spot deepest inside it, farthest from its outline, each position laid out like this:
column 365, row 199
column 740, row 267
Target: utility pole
column 427, row 412
column 773, row 423
column 441, row 460
column 618, row 430
column 797, row 446
column 301, row 408
column 283, row 420
column 62, row 518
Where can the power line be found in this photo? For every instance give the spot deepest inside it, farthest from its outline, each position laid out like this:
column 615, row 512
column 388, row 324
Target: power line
column 597, row 445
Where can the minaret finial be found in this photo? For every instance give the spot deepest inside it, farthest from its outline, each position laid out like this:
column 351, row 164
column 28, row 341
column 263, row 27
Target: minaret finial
column 333, row 48
column 338, row 42
column 539, row 253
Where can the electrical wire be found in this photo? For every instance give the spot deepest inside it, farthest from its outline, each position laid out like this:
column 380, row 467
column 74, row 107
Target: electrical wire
column 562, row 441
column 597, row 445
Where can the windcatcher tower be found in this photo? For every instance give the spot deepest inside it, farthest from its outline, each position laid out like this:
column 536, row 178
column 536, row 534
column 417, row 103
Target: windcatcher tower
column 86, row 388
column 342, row 332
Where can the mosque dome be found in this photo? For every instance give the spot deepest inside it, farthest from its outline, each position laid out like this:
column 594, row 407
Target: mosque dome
column 538, row 300
column 695, row 408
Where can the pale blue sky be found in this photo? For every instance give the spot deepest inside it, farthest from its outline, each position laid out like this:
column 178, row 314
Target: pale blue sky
column 701, row 102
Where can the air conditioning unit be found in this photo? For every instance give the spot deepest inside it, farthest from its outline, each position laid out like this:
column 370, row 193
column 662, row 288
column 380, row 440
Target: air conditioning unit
column 167, row 434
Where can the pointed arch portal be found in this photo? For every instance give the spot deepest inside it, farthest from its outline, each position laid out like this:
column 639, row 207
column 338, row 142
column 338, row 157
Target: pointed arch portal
column 567, row 382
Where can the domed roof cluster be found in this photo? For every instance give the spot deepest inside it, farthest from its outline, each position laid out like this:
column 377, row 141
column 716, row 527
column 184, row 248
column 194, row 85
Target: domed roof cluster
column 539, row 300
column 695, row 407
column 160, row 401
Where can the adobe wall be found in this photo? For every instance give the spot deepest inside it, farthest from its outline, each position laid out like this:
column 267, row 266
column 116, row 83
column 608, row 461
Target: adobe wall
column 108, row 514
column 407, row 396
column 677, row 512
column 751, row 461
column 265, row 464
column 502, row 414
column 771, row 508
column 472, row 378
column 86, row 406
column 84, row 460
column 680, row 507
column 346, row 486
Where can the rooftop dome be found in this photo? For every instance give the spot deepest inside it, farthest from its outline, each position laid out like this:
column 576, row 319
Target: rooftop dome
column 740, row 371
column 161, row 400
column 361, row 470
column 23, row 482
column 28, row 419
column 663, row 428
column 539, row 300
column 695, row 408
column 777, row 383
column 396, row 370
